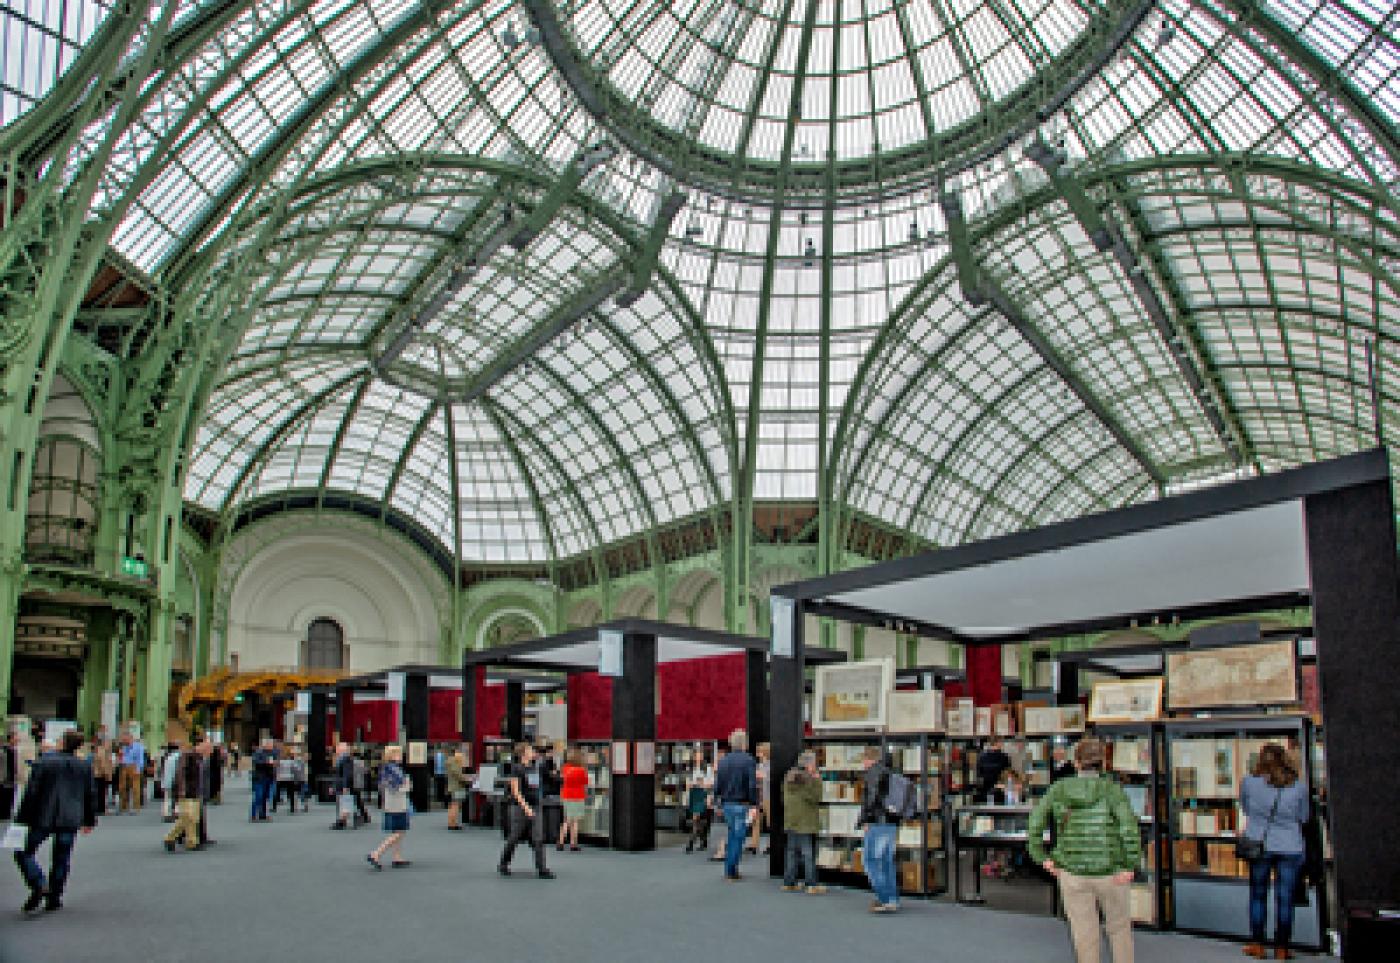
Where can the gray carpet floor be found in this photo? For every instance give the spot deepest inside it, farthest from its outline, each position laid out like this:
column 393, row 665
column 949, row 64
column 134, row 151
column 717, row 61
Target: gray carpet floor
column 293, row 890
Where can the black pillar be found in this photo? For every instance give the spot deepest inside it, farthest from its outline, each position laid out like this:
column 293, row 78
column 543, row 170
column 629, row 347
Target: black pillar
column 756, row 684
column 262, row 717
column 633, row 721
column 470, row 673
column 317, row 760
column 786, row 684
column 415, row 724
column 1067, row 684
column 344, row 699
column 1356, row 616
column 515, row 711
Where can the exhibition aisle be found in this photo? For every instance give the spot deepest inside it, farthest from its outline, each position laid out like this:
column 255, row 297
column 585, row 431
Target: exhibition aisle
column 292, row 889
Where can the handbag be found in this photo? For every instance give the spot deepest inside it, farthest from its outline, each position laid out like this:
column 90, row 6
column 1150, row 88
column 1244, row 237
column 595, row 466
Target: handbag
column 1252, row 849
column 15, row 835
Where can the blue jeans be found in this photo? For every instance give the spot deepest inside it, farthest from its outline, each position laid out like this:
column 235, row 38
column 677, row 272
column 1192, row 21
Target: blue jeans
column 262, row 792
column 1284, row 867
column 879, row 862
column 736, row 820
column 58, row 864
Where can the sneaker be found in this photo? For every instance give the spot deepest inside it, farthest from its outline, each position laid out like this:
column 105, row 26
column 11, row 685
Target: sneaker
column 816, row 890
column 558, row 847
column 575, row 849
column 374, row 864
column 884, row 908
column 170, row 846
column 36, row 896
column 53, row 905
column 546, row 874
column 792, row 889
column 503, row 870
column 735, row 878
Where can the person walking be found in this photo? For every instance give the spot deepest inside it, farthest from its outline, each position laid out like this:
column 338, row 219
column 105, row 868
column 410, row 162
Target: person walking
column 286, row 780
column 344, row 787
column 1274, row 806
column 9, row 773
column 881, row 826
column 573, row 795
column 526, row 821
column 699, row 789
column 395, row 784
column 264, row 779
column 455, row 770
column 716, row 810
column 133, row 765
column 736, row 786
column 1097, row 848
column 169, row 763
column 104, row 768
column 186, row 792
column 60, row 800
column 802, row 802
column 763, row 772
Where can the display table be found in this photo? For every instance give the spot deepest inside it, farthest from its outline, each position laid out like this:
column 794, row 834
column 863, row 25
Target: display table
column 984, row 828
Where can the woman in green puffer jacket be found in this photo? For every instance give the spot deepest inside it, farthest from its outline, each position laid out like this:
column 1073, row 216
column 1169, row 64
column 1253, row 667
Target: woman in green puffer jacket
column 1097, row 849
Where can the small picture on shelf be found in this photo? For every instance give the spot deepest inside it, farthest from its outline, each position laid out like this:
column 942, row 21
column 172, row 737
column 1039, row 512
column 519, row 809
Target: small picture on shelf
column 916, row 711
column 853, row 695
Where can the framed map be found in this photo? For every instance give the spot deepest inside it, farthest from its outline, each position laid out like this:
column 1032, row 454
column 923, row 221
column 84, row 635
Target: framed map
column 1240, row 675
column 1126, row 700
column 1047, row 720
column 853, row 695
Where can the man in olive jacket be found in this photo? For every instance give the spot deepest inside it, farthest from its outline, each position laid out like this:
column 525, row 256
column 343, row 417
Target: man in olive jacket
column 802, row 800
column 59, row 801
column 1097, row 849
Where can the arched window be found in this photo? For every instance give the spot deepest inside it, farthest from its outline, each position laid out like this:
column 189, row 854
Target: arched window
column 324, row 647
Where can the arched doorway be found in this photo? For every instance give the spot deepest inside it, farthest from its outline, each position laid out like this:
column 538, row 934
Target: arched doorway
column 324, row 647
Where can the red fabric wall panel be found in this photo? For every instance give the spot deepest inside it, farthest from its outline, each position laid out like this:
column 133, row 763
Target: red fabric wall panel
column 590, row 706
column 984, row 674
column 442, row 715
column 954, row 690
column 378, row 719
column 490, row 709
column 702, row 699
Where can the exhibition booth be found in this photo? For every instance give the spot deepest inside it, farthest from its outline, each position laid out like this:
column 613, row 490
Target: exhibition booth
column 1184, row 718
column 645, row 702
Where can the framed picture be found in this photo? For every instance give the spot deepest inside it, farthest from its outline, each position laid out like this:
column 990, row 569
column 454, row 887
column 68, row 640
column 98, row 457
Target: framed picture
column 853, row 695
column 619, row 759
column 982, row 720
column 1126, row 700
column 959, row 718
column 1071, row 718
column 417, row 753
column 1238, row 675
column 920, row 711
column 644, row 759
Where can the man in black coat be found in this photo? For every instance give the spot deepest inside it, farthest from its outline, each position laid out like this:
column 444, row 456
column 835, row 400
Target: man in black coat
column 60, row 800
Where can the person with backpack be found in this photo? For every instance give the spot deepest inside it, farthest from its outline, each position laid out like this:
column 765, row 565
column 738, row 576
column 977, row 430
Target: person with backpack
column 802, row 802
column 1097, row 848
column 888, row 799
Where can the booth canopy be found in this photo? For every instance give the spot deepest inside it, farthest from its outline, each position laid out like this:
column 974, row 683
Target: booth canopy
column 1238, row 547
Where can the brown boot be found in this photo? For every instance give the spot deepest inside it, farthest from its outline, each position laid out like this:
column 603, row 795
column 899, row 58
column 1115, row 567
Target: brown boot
column 1254, row 950
column 1282, row 953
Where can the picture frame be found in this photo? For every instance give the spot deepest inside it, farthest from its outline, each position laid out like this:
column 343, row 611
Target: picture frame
column 959, row 719
column 853, row 695
column 1053, row 720
column 920, row 711
column 1126, row 700
column 644, row 759
column 619, row 759
column 1258, row 674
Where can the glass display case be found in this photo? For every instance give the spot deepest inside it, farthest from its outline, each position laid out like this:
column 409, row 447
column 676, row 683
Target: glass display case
column 981, row 830
column 674, row 763
column 1135, row 757
column 1207, row 760
column 597, row 814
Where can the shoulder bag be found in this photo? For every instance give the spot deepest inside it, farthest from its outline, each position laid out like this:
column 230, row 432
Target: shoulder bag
column 1252, row 849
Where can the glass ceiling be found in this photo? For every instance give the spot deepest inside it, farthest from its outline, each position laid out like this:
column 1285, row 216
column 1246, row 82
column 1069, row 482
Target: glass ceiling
column 313, row 174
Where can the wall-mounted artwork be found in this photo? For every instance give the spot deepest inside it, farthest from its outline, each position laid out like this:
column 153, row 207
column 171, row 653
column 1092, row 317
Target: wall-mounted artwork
column 920, row 711
column 1239, row 675
column 853, row 695
column 1126, row 700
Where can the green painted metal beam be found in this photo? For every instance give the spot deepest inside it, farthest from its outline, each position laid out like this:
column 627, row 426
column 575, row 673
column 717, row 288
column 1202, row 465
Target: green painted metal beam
column 416, row 435
column 522, row 467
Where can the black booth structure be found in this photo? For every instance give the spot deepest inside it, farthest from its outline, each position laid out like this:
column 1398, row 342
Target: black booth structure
column 645, row 646
column 1320, row 536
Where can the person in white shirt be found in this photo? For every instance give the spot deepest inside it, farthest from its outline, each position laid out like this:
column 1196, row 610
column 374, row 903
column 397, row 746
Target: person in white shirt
column 699, row 784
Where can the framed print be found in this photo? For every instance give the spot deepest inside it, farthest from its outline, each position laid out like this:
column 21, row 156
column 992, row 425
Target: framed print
column 920, row 711
column 1042, row 720
column 959, row 718
column 982, row 720
column 1126, row 700
column 619, row 759
column 417, row 753
column 644, row 759
column 853, row 695
column 1071, row 718
column 1240, row 675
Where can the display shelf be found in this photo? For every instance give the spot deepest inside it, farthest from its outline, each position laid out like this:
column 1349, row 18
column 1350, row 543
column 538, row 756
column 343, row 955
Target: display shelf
column 675, row 760
column 1135, row 756
column 1207, row 761
column 597, row 813
column 919, row 861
